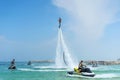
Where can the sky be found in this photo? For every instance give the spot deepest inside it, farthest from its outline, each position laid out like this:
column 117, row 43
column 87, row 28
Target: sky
column 29, row 28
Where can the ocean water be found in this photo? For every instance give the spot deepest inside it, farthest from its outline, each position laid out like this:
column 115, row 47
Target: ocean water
column 47, row 71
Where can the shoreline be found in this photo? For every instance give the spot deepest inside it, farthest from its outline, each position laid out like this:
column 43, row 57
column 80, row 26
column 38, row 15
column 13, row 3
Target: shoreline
column 89, row 62
column 42, row 61
column 102, row 62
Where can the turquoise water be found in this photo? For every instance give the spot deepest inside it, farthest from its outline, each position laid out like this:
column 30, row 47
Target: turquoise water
column 47, row 71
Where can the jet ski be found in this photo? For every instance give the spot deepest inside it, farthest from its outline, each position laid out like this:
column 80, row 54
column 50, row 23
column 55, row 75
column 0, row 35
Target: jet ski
column 86, row 72
column 12, row 67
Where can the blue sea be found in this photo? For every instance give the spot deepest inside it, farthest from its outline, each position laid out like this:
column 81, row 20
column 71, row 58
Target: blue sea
column 47, row 71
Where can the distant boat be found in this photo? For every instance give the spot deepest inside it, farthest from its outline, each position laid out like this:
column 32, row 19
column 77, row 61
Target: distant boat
column 29, row 63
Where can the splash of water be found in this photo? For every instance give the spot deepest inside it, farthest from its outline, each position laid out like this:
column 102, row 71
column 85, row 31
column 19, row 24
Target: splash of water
column 58, row 60
column 61, row 51
column 110, row 75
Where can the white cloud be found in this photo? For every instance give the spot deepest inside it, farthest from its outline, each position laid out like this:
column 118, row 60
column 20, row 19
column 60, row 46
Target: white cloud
column 88, row 20
column 90, row 17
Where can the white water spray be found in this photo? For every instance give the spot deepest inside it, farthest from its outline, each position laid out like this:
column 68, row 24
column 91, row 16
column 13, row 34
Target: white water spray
column 59, row 60
column 62, row 50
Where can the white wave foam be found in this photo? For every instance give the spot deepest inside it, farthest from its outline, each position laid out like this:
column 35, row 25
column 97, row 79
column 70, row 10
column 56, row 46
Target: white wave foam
column 110, row 75
column 46, row 70
column 78, row 76
column 49, row 67
column 46, row 67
